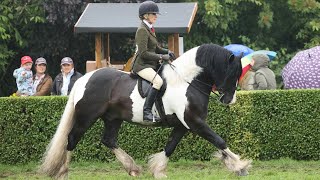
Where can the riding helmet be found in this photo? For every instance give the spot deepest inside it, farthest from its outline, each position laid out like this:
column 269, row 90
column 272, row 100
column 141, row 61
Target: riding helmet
column 148, row 7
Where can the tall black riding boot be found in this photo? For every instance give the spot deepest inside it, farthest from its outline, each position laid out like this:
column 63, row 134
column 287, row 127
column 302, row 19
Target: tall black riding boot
column 150, row 99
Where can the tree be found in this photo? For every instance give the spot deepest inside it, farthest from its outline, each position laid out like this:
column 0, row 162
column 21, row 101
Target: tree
column 285, row 26
column 45, row 28
column 15, row 19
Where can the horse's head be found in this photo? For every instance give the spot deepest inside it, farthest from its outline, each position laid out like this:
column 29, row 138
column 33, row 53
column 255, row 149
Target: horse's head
column 226, row 80
column 221, row 68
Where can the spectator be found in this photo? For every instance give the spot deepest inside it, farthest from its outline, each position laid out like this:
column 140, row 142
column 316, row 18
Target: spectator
column 23, row 77
column 64, row 81
column 42, row 81
column 247, row 81
column 264, row 77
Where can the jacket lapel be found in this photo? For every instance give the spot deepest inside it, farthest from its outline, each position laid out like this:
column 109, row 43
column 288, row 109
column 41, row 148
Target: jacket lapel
column 149, row 30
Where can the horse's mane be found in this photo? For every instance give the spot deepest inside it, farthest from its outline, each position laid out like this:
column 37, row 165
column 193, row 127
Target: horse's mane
column 211, row 55
column 201, row 59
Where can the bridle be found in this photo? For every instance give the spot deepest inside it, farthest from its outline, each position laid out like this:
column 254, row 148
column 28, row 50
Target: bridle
column 219, row 96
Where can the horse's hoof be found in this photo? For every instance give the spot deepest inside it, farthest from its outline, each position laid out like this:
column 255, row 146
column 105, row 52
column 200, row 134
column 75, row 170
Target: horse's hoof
column 159, row 175
column 242, row 172
column 134, row 173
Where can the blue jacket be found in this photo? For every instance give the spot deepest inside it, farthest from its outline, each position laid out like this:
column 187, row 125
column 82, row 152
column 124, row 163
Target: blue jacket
column 24, row 80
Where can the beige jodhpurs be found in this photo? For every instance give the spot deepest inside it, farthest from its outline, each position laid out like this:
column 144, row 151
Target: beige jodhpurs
column 150, row 75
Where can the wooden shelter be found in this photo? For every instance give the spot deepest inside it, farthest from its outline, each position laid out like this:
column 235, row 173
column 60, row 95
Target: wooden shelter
column 104, row 19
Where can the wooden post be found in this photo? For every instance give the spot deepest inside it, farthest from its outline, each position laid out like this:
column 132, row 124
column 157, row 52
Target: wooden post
column 107, row 48
column 98, row 50
column 173, row 43
column 176, row 44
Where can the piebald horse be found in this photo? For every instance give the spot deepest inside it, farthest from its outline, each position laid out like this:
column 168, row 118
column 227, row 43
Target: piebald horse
column 113, row 96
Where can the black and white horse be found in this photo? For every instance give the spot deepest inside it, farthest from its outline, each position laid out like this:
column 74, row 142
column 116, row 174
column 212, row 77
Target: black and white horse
column 113, row 96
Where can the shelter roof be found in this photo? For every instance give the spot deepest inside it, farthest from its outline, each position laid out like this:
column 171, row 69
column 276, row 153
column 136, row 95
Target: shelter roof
column 123, row 18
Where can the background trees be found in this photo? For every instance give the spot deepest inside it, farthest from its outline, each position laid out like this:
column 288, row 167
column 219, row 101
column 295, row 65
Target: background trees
column 45, row 28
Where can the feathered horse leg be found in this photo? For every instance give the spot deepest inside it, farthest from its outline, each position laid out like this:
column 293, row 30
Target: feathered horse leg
column 158, row 162
column 233, row 162
column 127, row 162
column 109, row 139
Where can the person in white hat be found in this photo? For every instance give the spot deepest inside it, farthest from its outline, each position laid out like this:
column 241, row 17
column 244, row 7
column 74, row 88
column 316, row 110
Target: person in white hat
column 64, row 81
column 42, row 81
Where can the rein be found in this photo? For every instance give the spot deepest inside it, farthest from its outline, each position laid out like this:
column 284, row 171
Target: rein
column 208, row 85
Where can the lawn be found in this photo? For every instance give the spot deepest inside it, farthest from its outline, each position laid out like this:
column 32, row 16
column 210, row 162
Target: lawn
column 275, row 169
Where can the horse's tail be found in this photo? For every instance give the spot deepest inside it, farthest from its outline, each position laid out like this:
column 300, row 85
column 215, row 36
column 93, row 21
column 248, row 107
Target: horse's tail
column 56, row 152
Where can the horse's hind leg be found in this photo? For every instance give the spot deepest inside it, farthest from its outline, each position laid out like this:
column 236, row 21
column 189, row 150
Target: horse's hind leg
column 231, row 160
column 82, row 121
column 158, row 162
column 110, row 135
column 63, row 172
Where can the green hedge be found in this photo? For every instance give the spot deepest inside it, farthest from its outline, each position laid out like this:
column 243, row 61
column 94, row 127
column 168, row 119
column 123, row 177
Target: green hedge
column 261, row 125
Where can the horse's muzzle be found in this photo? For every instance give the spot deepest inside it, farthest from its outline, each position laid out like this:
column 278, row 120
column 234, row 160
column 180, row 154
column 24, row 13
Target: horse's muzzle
column 228, row 99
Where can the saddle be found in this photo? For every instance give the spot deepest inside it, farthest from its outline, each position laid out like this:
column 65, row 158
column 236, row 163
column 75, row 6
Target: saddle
column 144, row 87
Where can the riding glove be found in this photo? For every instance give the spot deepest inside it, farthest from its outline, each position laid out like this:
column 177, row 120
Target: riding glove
column 171, row 54
column 165, row 57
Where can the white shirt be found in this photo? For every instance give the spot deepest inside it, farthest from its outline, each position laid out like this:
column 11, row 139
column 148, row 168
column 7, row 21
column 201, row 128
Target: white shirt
column 36, row 82
column 66, row 82
column 147, row 23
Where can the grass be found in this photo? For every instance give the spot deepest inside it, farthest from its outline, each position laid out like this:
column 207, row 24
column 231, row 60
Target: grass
column 181, row 170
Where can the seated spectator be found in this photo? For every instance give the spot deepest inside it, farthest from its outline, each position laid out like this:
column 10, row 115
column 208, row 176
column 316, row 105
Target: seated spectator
column 23, row 77
column 42, row 81
column 64, row 81
column 264, row 78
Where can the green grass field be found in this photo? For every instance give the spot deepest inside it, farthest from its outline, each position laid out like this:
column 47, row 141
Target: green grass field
column 275, row 169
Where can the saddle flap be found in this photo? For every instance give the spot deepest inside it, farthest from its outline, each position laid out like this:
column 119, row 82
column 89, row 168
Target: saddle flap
column 144, row 87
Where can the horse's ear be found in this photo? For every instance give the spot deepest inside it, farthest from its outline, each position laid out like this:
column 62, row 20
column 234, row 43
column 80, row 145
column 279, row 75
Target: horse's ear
column 231, row 58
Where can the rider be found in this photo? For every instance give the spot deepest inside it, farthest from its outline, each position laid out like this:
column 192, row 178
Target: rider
column 148, row 55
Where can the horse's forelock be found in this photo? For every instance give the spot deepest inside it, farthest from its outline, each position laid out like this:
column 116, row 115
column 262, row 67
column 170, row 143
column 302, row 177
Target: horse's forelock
column 233, row 73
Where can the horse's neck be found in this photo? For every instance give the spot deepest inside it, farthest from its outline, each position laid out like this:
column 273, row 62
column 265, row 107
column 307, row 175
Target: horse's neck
column 184, row 68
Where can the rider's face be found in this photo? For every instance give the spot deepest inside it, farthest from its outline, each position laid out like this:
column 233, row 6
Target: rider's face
column 152, row 18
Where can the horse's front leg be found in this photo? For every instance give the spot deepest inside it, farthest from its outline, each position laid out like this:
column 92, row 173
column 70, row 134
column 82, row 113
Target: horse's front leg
column 231, row 160
column 109, row 139
column 158, row 162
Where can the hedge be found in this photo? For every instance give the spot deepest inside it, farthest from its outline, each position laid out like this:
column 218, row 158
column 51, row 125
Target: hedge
column 261, row 125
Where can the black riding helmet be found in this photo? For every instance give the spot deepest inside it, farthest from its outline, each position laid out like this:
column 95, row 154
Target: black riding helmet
column 148, row 7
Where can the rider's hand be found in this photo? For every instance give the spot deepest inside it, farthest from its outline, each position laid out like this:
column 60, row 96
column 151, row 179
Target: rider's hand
column 165, row 57
column 171, row 54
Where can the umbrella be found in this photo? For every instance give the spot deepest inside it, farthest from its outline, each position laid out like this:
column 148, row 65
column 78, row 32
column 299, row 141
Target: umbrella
column 237, row 49
column 303, row 70
column 246, row 60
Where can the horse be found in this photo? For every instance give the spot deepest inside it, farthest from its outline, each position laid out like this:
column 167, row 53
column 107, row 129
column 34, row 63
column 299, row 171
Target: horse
column 113, row 96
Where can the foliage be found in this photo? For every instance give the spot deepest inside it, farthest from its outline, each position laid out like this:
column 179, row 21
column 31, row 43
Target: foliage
column 284, row 26
column 253, row 127
column 45, row 28
column 15, row 20
column 309, row 12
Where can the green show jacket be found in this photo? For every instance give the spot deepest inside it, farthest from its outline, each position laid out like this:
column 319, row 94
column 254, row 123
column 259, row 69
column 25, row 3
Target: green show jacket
column 148, row 51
